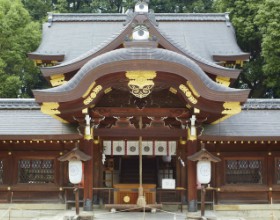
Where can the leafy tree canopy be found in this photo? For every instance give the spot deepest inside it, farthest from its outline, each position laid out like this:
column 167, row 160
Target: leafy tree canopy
column 18, row 36
column 268, row 20
column 254, row 21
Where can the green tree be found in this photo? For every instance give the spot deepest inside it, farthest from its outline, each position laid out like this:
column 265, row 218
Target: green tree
column 18, row 36
column 111, row 6
column 73, row 6
column 38, row 8
column 249, row 37
column 268, row 20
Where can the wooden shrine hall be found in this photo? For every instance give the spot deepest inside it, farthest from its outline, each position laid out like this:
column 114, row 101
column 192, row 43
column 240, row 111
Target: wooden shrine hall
column 139, row 93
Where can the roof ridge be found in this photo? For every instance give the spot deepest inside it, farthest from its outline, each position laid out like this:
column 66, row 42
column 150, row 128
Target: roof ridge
column 261, row 104
column 56, row 17
column 19, row 103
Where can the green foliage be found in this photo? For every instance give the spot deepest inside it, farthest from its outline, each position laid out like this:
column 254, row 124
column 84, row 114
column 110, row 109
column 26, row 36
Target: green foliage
column 38, row 8
column 18, row 36
column 268, row 20
column 111, row 6
column 73, row 6
column 242, row 14
column 11, row 86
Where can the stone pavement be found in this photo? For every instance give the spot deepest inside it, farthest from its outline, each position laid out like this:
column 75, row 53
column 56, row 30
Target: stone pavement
column 159, row 215
column 101, row 214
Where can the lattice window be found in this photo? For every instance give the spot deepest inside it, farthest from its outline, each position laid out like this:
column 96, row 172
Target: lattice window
column 277, row 170
column 244, row 171
column 36, row 171
column 1, row 171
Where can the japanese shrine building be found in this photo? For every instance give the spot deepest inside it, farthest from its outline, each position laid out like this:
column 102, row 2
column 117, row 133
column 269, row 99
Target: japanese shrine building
column 120, row 79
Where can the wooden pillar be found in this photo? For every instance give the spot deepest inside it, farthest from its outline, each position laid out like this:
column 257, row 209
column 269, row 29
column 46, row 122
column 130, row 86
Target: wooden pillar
column 87, row 146
column 97, row 170
column 181, row 177
column 192, row 179
column 269, row 172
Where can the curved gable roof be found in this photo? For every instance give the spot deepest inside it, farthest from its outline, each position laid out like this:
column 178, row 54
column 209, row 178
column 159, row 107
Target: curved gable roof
column 116, row 39
column 143, row 59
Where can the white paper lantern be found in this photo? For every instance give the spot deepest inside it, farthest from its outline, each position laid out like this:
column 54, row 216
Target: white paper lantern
column 75, row 171
column 203, row 171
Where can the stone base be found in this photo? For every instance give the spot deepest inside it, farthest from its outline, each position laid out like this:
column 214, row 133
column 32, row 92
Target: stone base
column 88, row 205
column 192, row 206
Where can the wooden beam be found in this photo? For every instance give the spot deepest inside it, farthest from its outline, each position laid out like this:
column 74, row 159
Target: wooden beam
column 146, row 112
column 146, row 133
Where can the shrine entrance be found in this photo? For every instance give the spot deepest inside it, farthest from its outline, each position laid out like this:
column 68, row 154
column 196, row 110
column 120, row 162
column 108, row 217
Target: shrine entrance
column 125, row 170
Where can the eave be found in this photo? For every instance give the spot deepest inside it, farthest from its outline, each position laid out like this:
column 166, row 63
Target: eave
column 43, row 137
column 242, row 57
column 46, row 57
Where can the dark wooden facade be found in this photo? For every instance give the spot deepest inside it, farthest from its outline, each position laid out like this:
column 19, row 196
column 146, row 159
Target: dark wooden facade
column 162, row 81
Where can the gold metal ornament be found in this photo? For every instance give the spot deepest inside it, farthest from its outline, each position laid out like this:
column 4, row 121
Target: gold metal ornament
column 223, row 80
column 57, row 80
column 188, row 94
column 190, row 85
column 92, row 95
column 126, row 199
column 231, row 108
column 50, row 108
column 141, row 82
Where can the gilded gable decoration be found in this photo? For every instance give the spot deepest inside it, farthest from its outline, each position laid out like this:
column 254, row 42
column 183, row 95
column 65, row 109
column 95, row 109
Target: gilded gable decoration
column 188, row 93
column 141, row 82
column 92, row 95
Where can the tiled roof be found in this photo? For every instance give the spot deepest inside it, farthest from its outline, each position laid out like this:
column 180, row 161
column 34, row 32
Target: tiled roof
column 260, row 118
column 248, row 125
column 23, row 122
column 131, row 54
column 74, row 35
column 23, row 119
